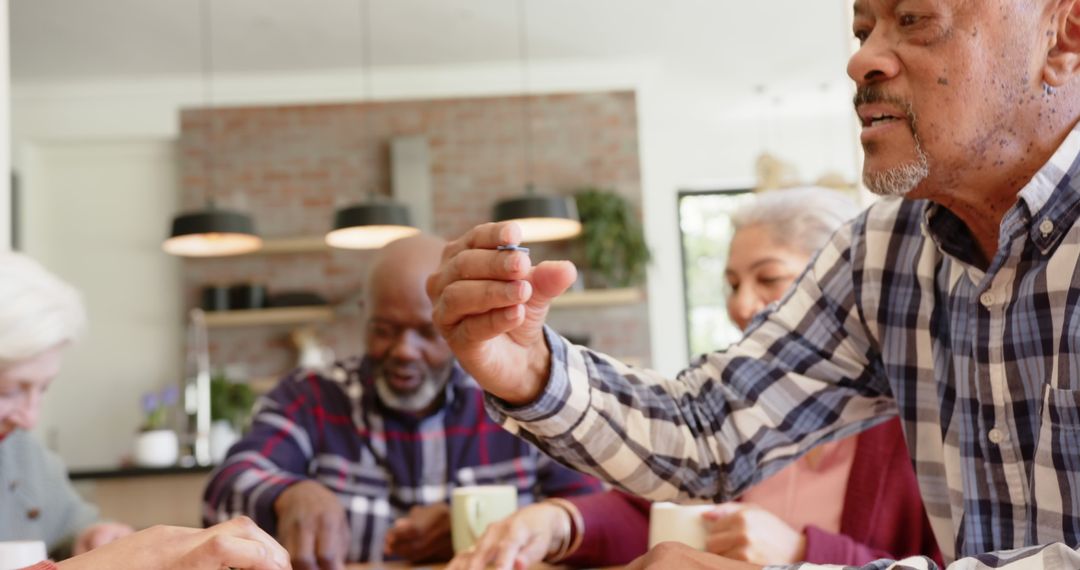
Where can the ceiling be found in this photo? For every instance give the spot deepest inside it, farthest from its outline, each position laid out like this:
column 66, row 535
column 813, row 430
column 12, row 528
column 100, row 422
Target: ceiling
column 92, row 39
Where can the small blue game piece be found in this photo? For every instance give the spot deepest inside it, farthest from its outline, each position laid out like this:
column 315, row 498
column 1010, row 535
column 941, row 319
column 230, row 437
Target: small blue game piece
column 513, row 248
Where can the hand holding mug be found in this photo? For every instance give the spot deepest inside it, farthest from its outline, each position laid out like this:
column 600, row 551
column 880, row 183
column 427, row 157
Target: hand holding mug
column 751, row 533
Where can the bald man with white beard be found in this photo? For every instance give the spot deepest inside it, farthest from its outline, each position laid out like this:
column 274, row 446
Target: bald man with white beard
column 359, row 463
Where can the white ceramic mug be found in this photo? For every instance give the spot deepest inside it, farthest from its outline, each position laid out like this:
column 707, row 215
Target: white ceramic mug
column 679, row 523
column 472, row 509
column 21, row 553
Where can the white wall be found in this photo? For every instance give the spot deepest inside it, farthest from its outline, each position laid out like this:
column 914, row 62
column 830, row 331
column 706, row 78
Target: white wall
column 696, row 131
column 5, row 131
column 95, row 217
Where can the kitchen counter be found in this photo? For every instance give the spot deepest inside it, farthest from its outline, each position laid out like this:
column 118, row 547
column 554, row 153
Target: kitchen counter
column 129, row 472
column 142, row 496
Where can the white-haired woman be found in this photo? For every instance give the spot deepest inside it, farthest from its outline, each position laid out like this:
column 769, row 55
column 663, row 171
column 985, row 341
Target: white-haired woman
column 40, row 316
column 847, row 502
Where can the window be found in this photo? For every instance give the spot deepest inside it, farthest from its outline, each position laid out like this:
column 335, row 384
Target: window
column 705, row 229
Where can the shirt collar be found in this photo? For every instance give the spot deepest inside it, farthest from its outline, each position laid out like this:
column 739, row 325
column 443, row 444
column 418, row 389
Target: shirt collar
column 1053, row 194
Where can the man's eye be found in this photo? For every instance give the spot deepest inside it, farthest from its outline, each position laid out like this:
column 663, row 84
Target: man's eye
column 907, row 20
column 862, row 36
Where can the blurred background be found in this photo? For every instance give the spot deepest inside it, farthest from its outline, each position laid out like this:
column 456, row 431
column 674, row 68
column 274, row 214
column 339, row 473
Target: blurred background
column 125, row 113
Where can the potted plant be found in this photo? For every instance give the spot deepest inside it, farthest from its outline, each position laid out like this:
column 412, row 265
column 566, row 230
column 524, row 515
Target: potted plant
column 157, row 445
column 230, row 407
column 612, row 239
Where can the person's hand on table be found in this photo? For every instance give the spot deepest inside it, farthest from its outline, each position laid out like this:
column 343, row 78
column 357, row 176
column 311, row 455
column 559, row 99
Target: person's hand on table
column 667, row 555
column 751, row 533
column 234, row 544
column 518, row 541
column 423, row 535
column 312, row 526
column 490, row 306
column 100, row 534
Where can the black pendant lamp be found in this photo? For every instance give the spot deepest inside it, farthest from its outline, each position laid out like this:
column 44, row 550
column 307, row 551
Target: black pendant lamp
column 370, row 225
column 212, row 231
column 376, row 222
column 542, row 217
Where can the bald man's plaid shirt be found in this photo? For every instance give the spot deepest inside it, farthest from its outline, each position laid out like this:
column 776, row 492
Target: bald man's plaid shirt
column 380, row 463
column 892, row 317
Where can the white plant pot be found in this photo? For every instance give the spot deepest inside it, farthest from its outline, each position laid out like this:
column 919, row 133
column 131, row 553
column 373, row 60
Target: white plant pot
column 157, row 448
column 222, row 437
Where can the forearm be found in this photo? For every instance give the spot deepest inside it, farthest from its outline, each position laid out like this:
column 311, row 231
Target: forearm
column 804, row 375
column 615, row 529
column 677, row 438
column 823, row 547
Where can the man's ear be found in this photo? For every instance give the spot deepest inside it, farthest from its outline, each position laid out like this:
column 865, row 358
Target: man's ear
column 1063, row 57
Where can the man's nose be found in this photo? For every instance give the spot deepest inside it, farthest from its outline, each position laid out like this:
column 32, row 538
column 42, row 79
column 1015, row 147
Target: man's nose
column 874, row 61
column 406, row 346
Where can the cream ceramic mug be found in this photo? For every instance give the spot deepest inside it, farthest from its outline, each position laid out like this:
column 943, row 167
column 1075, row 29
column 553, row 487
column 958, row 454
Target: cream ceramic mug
column 21, row 553
column 679, row 523
column 472, row 509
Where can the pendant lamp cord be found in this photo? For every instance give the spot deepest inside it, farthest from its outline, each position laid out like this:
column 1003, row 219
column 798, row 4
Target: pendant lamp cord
column 207, row 46
column 364, row 9
column 526, row 105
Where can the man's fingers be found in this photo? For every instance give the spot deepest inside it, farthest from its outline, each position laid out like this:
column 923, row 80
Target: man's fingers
column 330, row 548
column 301, row 545
column 468, row 298
column 487, row 326
column 551, row 279
column 480, row 264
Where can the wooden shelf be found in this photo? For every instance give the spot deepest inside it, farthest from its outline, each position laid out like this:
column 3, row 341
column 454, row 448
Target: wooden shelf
column 302, row 244
column 325, row 314
column 598, row 298
column 269, row 317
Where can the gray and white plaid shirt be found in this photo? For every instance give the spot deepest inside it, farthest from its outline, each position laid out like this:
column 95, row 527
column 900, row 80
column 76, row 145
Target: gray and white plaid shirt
column 892, row 317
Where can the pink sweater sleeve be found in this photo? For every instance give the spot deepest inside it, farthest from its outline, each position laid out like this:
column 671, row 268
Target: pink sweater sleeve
column 616, row 529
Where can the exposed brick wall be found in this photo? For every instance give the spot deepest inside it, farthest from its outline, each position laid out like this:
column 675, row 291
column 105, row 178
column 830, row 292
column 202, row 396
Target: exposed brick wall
column 290, row 166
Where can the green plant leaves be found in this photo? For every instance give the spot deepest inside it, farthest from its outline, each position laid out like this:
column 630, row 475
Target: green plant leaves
column 613, row 239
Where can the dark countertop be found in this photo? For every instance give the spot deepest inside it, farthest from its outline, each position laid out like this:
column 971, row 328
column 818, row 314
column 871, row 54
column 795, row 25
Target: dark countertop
column 126, row 472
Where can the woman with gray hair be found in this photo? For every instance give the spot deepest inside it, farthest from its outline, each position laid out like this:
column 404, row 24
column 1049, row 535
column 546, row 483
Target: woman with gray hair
column 776, row 235
column 847, row 502
column 40, row 316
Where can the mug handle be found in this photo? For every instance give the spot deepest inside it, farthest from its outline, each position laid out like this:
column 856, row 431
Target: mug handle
column 472, row 517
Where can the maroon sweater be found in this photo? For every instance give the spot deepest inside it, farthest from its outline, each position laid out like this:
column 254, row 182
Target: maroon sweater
column 883, row 514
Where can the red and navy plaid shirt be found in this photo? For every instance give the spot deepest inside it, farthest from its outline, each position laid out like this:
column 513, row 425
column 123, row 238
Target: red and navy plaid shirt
column 381, row 463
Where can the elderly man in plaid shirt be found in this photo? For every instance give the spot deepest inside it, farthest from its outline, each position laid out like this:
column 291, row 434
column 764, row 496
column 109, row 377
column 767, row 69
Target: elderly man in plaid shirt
column 956, row 307
column 363, row 459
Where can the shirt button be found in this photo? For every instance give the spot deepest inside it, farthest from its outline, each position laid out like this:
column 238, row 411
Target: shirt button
column 986, row 299
column 996, row 436
column 1046, row 227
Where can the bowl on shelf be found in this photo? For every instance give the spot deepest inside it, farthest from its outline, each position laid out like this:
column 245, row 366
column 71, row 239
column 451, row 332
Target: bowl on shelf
column 296, row 299
column 247, row 296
